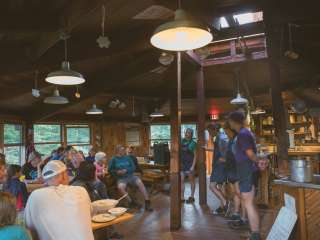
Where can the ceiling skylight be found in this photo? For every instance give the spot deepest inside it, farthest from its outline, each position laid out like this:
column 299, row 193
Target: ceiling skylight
column 245, row 18
column 224, row 23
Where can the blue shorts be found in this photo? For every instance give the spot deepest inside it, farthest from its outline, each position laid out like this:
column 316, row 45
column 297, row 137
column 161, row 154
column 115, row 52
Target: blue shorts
column 131, row 180
column 219, row 174
column 232, row 176
column 246, row 176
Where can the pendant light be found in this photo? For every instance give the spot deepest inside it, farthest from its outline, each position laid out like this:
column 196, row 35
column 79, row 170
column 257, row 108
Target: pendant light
column 182, row 34
column 56, row 98
column 65, row 76
column 239, row 100
column 77, row 93
column 94, row 110
column 156, row 113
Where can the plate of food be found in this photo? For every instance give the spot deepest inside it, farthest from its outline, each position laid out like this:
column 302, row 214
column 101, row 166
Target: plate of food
column 101, row 218
column 118, row 211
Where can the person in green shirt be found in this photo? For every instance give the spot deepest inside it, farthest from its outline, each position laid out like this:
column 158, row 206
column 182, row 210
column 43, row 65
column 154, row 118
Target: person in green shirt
column 8, row 215
column 122, row 168
column 188, row 163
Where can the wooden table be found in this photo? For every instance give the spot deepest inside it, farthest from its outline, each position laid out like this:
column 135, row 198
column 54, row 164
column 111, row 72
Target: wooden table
column 125, row 217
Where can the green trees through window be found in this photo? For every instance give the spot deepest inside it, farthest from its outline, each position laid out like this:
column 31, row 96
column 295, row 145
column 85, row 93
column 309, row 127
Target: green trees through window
column 13, row 143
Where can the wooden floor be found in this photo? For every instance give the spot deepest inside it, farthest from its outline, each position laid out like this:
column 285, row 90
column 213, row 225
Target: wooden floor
column 197, row 223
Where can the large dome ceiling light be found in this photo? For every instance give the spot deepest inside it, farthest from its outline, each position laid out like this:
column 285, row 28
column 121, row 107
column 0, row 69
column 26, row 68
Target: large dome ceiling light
column 56, row 98
column 182, row 34
column 65, row 76
column 94, row 110
column 239, row 100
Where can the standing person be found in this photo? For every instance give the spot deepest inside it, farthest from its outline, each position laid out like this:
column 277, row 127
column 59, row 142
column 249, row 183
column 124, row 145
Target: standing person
column 3, row 171
column 15, row 187
column 8, row 215
column 188, row 159
column 130, row 153
column 246, row 158
column 219, row 175
column 32, row 169
column 122, row 167
column 59, row 211
column 91, row 155
column 231, row 170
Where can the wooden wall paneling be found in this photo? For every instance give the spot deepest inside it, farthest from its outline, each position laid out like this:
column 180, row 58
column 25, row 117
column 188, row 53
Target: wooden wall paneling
column 312, row 208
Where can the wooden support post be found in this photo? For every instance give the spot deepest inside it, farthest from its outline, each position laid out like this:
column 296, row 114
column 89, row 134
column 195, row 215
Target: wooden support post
column 201, row 155
column 175, row 180
column 278, row 109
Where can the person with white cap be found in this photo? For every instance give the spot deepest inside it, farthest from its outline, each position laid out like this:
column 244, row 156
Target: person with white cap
column 59, row 211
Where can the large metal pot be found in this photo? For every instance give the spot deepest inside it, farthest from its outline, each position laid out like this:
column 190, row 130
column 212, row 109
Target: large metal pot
column 301, row 170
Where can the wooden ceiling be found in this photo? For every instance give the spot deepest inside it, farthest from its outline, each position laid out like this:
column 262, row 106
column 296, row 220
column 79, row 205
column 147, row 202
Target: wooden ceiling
column 30, row 41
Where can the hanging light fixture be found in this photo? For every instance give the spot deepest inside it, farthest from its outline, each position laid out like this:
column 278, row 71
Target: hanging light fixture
column 182, row 34
column 65, row 76
column 56, row 98
column 156, row 113
column 258, row 111
column 239, row 100
column 77, row 93
column 94, row 110
column 166, row 58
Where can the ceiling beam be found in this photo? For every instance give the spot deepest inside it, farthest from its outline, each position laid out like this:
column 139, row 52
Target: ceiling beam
column 74, row 13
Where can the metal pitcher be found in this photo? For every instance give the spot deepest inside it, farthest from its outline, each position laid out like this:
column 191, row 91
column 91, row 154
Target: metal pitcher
column 301, row 170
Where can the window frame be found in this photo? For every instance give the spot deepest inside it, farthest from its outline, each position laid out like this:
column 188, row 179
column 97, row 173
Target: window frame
column 159, row 139
column 79, row 125
column 21, row 144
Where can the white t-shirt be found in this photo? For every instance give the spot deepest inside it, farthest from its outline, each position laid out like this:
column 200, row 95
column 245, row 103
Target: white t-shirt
column 60, row 213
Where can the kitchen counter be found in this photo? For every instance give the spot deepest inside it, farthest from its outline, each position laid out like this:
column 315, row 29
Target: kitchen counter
column 286, row 181
column 306, row 197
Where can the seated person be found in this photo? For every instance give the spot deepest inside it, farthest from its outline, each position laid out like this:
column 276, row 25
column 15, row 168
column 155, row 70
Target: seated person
column 86, row 177
column 14, row 186
column 3, row 170
column 100, row 163
column 130, row 153
column 122, row 167
column 59, row 211
column 91, row 155
column 58, row 154
column 8, row 215
column 32, row 169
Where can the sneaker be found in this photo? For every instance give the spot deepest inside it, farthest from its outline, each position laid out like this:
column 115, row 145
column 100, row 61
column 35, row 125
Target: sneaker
column 219, row 211
column 239, row 225
column 255, row 236
column 234, row 217
column 147, row 206
column 190, row 200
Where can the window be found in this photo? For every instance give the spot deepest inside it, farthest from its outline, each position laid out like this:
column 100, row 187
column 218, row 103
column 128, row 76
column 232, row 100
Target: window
column 78, row 136
column 47, row 137
column 245, row 18
column 13, row 143
column 224, row 23
column 160, row 133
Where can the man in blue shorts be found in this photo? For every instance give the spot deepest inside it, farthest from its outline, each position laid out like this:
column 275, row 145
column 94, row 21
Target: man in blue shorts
column 219, row 174
column 122, row 167
column 245, row 155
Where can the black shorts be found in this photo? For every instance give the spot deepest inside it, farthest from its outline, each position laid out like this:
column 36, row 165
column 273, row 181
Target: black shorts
column 246, row 175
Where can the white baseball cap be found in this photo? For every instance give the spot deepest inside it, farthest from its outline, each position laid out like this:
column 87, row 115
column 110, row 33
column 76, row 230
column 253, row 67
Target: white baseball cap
column 53, row 168
column 99, row 156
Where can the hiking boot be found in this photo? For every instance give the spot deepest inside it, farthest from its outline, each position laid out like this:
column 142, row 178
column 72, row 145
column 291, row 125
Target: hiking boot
column 190, row 200
column 219, row 211
column 147, row 206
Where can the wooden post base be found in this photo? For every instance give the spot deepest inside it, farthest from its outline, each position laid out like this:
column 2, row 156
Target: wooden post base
column 175, row 197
